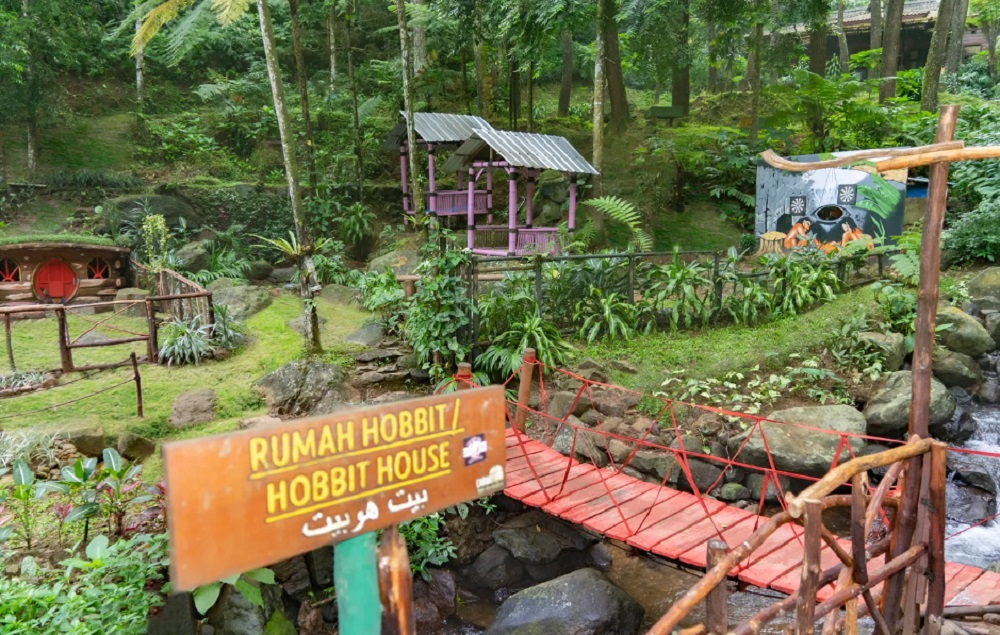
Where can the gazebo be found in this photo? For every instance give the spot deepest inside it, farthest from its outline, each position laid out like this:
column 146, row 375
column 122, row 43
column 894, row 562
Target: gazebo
column 435, row 132
column 519, row 154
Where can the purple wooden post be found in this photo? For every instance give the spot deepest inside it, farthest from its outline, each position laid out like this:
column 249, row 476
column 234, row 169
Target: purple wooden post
column 489, row 196
column 512, row 213
column 572, row 204
column 402, row 171
column 431, row 194
column 460, row 179
column 470, row 214
column 529, row 199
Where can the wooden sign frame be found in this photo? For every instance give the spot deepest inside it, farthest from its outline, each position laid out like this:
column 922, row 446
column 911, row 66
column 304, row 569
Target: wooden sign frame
column 251, row 498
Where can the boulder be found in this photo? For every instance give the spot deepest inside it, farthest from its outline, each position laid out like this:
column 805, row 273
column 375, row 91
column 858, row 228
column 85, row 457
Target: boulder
column 171, row 208
column 260, row 270
column 560, row 404
column 496, row 568
column 258, row 422
column 225, row 283
column 892, row 345
column 536, row 538
column 195, row 256
column 609, row 403
column 243, row 301
column 233, row 614
column 989, row 392
column 401, row 262
column 281, row 275
column 367, row 335
column 965, row 334
column 993, row 326
column 306, row 387
column 132, row 293
column 732, row 492
column 299, row 324
column 135, row 447
column 798, row 449
column 88, row 441
column 704, row 475
column 623, row 366
column 600, row 557
column 193, row 407
column 434, row 600
column 956, row 430
column 337, row 294
column 583, row 602
column 985, row 283
column 888, row 411
column 969, row 504
column 988, row 303
column 955, row 369
column 755, row 483
column 657, row 464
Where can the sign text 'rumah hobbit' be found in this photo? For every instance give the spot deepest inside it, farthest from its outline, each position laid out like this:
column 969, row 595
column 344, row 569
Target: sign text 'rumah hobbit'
column 248, row 499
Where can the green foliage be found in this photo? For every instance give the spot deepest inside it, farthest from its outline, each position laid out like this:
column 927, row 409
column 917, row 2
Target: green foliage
column 853, row 354
column 898, row 306
column 503, row 356
column 440, row 309
column 227, row 331
column 207, row 595
column 185, row 341
column 383, row 295
column 20, row 379
column 625, row 213
column 223, row 263
column 975, row 236
column 682, row 290
column 881, row 200
column 425, row 543
column 608, row 316
column 101, row 179
column 357, row 223
column 109, row 590
column 81, row 239
column 155, row 241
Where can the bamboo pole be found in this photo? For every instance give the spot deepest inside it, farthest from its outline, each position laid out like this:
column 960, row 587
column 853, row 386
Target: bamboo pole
column 845, row 471
column 776, row 161
column 524, row 389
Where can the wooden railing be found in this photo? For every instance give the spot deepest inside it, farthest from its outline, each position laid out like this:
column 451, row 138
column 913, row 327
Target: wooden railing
column 177, row 296
column 920, row 555
column 456, row 202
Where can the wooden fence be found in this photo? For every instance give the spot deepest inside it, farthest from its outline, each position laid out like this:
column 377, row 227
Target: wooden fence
column 178, row 297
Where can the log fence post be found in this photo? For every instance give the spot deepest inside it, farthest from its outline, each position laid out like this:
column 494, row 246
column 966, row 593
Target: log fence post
column 65, row 354
column 716, row 611
column 10, row 342
column 524, row 389
column 138, row 384
column 809, row 582
column 463, row 377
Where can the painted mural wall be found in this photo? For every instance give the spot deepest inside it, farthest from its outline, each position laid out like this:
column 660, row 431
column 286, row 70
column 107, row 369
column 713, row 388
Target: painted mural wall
column 828, row 208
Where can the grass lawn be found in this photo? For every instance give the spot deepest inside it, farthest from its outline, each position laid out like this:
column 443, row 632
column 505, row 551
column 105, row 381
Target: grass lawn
column 715, row 351
column 273, row 344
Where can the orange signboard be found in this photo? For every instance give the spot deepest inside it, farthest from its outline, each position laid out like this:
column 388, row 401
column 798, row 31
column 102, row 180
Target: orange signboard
column 248, row 499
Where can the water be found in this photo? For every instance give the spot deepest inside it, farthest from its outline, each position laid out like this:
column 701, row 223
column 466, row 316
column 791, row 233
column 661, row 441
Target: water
column 978, row 546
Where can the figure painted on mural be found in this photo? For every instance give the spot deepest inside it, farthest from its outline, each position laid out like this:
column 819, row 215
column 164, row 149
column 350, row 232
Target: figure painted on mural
column 798, row 235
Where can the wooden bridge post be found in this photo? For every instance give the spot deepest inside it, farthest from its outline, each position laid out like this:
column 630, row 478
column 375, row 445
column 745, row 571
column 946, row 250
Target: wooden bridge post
column 152, row 346
column 935, row 547
column 524, row 389
column 716, row 611
column 65, row 354
column 463, row 377
column 10, row 342
column 809, row 582
column 138, row 385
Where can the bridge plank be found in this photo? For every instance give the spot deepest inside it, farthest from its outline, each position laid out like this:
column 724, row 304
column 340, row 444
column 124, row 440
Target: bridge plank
column 696, row 534
column 962, row 576
column 733, row 536
column 775, row 557
column 582, row 497
column 519, row 474
column 789, row 581
column 604, row 521
column 574, row 482
column 620, row 496
column 524, row 490
column 671, row 517
column 984, row 590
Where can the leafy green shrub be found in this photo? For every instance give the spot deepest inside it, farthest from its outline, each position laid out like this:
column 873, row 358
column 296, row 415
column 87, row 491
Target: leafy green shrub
column 93, row 179
column 898, row 306
column 108, row 590
column 976, row 235
column 185, row 341
column 207, row 595
column 227, row 331
column 683, row 291
column 223, row 263
column 625, row 213
column 503, row 356
column 440, row 310
column 425, row 543
column 383, row 295
column 22, row 379
column 356, row 223
column 608, row 316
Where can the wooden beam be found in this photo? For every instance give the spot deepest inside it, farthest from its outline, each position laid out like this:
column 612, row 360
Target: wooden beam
column 776, row 161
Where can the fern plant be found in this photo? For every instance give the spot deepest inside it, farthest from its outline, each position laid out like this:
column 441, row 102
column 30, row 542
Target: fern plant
column 879, row 200
column 223, row 263
column 623, row 212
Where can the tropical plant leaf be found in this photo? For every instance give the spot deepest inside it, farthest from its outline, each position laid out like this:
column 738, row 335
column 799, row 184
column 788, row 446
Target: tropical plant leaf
column 206, row 596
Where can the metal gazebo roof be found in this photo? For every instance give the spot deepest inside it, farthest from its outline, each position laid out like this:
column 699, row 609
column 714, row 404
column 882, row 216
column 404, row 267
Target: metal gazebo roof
column 520, row 150
column 434, row 127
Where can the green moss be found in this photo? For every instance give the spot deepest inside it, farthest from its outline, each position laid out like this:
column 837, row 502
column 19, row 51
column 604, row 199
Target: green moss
column 82, row 239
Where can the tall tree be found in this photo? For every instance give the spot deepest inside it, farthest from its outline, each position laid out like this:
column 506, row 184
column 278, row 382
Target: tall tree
column 597, row 158
column 956, row 44
column 892, row 32
column 875, row 30
column 359, row 149
column 844, row 54
column 419, row 40
column 713, row 56
column 411, row 135
column 756, row 58
column 140, row 67
column 302, row 79
column 680, row 74
column 987, row 16
column 301, row 250
column 620, row 116
column 936, row 55
column 566, row 82
column 331, row 35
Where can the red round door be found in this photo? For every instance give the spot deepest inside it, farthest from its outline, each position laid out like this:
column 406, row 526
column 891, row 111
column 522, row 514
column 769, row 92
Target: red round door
column 55, row 279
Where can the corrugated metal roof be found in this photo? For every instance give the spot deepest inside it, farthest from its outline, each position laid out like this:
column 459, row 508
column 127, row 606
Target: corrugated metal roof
column 859, row 18
column 522, row 150
column 436, row 127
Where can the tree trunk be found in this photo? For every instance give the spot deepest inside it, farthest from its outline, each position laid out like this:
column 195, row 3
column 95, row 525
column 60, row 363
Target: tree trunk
column 420, row 40
column 891, row 33
column 875, row 33
column 359, row 149
column 140, row 66
column 620, row 116
column 303, row 82
column 465, row 80
column 713, row 57
column 753, row 69
column 479, row 61
column 598, row 132
column 308, row 285
column 991, row 51
column 531, row 96
column 331, row 34
column 844, row 52
column 936, row 55
column 566, row 86
column 956, row 48
column 817, row 47
column 411, row 136
column 31, row 84
column 680, row 75
column 513, row 92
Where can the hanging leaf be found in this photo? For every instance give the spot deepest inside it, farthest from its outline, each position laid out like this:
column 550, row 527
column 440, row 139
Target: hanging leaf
column 206, row 596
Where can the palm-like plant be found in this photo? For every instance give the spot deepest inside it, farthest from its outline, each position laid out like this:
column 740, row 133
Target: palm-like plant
column 608, row 315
